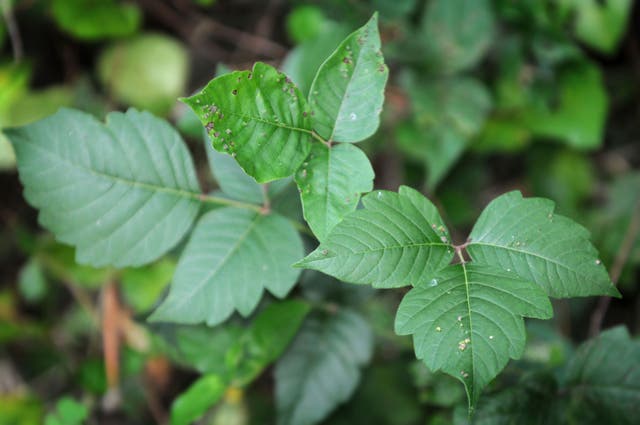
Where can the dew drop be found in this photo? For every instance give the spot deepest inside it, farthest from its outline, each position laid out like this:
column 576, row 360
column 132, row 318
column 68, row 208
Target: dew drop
column 434, row 282
column 353, row 116
column 325, row 252
column 490, row 336
column 598, row 262
column 459, row 318
column 438, row 329
column 443, row 239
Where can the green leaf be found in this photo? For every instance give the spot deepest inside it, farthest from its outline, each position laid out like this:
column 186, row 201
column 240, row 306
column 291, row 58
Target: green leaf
column 123, row 193
column 330, row 184
column 305, row 22
column 197, row 399
column 96, row 19
column 603, row 379
column 467, row 321
column 31, row 282
column 232, row 256
column 456, row 33
column 7, row 156
column 601, row 24
column 35, row 105
column 302, row 62
column 201, row 348
column 348, row 91
column 68, row 412
column 259, row 117
column 266, row 339
column 234, row 182
column 322, row 368
column 447, row 115
column 130, row 72
column 525, row 236
column 578, row 123
column 141, row 287
column 398, row 239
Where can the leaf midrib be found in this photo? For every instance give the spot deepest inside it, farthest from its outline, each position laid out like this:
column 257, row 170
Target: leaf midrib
column 271, row 123
column 533, row 254
column 419, row 245
column 222, row 262
column 135, row 184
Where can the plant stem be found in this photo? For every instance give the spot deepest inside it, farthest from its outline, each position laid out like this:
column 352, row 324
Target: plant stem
column 630, row 236
column 216, row 200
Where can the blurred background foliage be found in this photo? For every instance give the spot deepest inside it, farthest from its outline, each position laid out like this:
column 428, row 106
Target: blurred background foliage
column 485, row 96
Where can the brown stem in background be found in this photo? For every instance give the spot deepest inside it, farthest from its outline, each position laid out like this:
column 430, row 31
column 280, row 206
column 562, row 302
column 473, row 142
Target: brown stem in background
column 631, row 234
column 111, row 334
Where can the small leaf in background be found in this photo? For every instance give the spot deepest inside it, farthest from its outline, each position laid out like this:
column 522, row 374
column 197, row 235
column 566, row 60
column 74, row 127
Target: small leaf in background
column 67, row 412
column 232, row 257
column 456, row 33
column 20, row 409
column 561, row 174
column 234, row 182
column 467, row 321
column 141, row 287
column 197, row 399
column 348, row 91
column 601, row 23
column 259, row 117
column 35, row 105
column 31, row 282
column 330, row 183
column 575, row 122
column 7, row 155
column 305, row 22
column 447, row 115
column 368, row 248
column 524, row 236
column 201, row 348
column 14, row 83
column 130, row 73
column 603, row 379
column 96, row 19
column 321, row 369
column 79, row 173
column 59, row 261
column 303, row 61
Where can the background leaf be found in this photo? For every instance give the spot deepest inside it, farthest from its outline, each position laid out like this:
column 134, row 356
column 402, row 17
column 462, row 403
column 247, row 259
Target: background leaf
column 199, row 397
column 259, row 117
column 603, row 379
column 456, row 33
column 232, row 256
column 467, row 321
column 322, row 367
column 398, row 239
column 96, row 19
column 525, row 236
column 330, row 183
column 348, row 91
column 80, row 174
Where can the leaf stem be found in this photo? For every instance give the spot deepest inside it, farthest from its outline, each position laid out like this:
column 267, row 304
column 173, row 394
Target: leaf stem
column 216, row 200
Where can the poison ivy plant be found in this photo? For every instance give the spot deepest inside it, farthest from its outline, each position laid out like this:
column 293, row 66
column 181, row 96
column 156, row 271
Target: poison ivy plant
column 466, row 319
column 322, row 367
column 82, row 176
column 125, row 193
